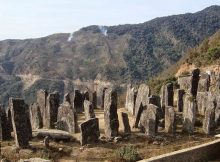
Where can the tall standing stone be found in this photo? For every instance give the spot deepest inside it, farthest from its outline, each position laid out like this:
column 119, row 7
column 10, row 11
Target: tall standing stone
column 130, row 99
column 88, row 110
column 89, row 131
column 93, row 99
column 9, row 121
column 170, row 120
column 202, row 99
column 204, row 83
column 19, row 122
column 5, row 132
column 86, row 95
column 53, row 100
column 29, row 128
column 78, row 101
column 189, row 114
column 180, row 99
column 67, row 118
column 110, row 113
column 35, row 116
column 42, row 101
column 125, row 121
column 167, row 95
column 100, row 94
column 195, row 82
column 149, row 120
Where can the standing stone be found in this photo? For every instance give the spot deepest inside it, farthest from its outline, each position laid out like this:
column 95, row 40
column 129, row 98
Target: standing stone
column 89, row 110
column 89, row 131
column 195, row 82
column 148, row 120
column 167, row 95
column 125, row 121
column 67, row 98
column 86, row 95
column 78, row 101
column 42, row 101
column 180, row 98
column 93, row 99
column 9, row 121
column 138, row 116
column 170, row 120
column 185, row 82
column 5, row 133
column 35, row 117
column 52, row 109
column 130, row 99
column 202, row 99
column 209, row 120
column 217, row 110
column 67, row 118
column 204, row 83
column 110, row 113
column 29, row 128
column 19, row 122
column 189, row 114
column 100, row 93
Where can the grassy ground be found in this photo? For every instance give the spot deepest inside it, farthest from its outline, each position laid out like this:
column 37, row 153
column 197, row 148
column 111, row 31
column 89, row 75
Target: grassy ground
column 103, row 151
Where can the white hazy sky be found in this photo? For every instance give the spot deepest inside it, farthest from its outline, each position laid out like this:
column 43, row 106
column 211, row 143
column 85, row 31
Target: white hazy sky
column 21, row 19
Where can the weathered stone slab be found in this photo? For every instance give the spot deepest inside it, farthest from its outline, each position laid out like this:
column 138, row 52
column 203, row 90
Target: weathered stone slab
column 78, row 101
column 148, row 120
column 5, row 133
column 67, row 118
column 195, row 82
column 53, row 100
column 180, row 99
column 86, row 95
column 67, row 98
column 125, row 122
column 19, row 122
column 167, row 95
column 189, row 114
column 88, row 110
column 130, row 99
column 35, row 116
column 9, row 121
column 89, row 131
column 204, row 83
column 93, row 99
column 110, row 113
column 42, row 101
column 202, row 99
column 170, row 120
column 185, row 82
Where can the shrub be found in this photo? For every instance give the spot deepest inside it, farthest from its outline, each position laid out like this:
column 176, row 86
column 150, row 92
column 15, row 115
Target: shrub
column 128, row 153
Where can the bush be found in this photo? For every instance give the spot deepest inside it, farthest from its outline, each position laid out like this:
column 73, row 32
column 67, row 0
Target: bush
column 128, row 153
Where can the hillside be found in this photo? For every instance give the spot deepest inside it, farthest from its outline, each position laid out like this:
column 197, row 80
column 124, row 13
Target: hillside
column 124, row 53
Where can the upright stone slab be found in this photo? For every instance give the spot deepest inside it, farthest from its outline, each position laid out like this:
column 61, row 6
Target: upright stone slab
column 180, row 98
column 209, row 119
column 89, row 131
column 110, row 113
column 42, row 101
column 5, row 133
column 148, row 120
column 86, row 95
column 189, row 114
column 130, row 99
column 29, row 128
column 125, row 122
column 88, row 110
column 19, row 122
column 53, row 100
column 167, row 95
column 67, row 98
column 100, row 94
column 170, row 120
column 35, row 117
column 202, row 99
column 204, row 83
column 93, row 99
column 195, row 82
column 217, row 110
column 185, row 82
column 9, row 121
column 67, row 118
column 78, row 101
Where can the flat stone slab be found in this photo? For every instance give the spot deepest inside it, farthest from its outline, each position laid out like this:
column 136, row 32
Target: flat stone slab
column 53, row 134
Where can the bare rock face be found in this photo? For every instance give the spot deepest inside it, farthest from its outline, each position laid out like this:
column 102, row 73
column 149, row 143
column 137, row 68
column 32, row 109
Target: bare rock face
column 170, row 120
column 180, row 99
column 19, row 122
column 130, row 99
column 42, row 101
column 88, row 110
column 167, row 95
column 189, row 114
column 204, row 83
column 202, row 99
column 89, row 131
column 35, row 116
column 125, row 122
column 5, row 132
column 52, row 109
column 148, row 120
column 110, row 113
column 78, row 101
column 67, row 118
column 209, row 119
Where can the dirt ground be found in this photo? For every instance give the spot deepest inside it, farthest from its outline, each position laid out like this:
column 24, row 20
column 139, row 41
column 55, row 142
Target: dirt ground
column 105, row 151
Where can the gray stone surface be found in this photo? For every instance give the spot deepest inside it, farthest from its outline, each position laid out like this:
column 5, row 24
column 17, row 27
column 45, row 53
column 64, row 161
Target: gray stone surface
column 52, row 110
column 125, row 122
column 170, row 120
column 204, row 83
column 42, row 101
column 180, row 99
column 189, row 114
column 130, row 99
column 202, row 98
column 88, row 110
column 35, row 116
column 110, row 113
column 89, row 131
column 19, row 121
column 148, row 120
column 67, row 118
column 166, row 95
column 195, row 81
